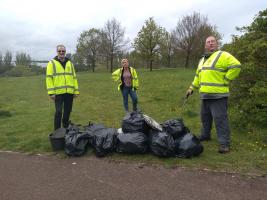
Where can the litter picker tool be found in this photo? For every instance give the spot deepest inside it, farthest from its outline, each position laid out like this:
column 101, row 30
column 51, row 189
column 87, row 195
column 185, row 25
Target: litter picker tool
column 183, row 105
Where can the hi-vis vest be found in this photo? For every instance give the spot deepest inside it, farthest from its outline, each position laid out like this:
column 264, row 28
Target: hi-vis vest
column 116, row 76
column 213, row 75
column 60, row 80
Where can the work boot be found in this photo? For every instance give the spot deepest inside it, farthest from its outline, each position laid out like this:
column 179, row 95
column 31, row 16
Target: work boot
column 66, row 125
column 204, row 137
column 223, row 149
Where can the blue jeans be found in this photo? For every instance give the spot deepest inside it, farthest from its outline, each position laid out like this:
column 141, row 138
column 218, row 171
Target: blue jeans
column 129, row 91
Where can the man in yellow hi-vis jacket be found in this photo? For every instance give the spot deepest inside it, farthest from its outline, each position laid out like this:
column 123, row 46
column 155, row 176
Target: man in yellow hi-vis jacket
column 216, row 69
column 62, row 86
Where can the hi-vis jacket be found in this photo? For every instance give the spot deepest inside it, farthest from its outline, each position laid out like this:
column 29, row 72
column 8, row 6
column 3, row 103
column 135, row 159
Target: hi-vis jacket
column 117, row 76
column 213, row 75
column 60, row 80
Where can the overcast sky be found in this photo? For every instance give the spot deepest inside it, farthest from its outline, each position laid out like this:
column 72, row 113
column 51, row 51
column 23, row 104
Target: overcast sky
column 36, row 27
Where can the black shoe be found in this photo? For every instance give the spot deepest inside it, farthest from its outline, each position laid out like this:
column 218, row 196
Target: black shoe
column 67, row 125
column 223, row 149
column 204, row 138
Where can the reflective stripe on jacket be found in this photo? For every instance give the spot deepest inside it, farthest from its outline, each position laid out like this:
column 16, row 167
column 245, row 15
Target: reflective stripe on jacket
column 117, row 76
column 60, row 80
column 213, row 75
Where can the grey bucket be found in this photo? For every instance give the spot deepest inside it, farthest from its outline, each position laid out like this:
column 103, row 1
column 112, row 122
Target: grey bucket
column 57, row 139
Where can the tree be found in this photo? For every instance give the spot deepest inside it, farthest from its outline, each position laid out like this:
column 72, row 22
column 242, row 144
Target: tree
column 113, row 41
column 167, row 48
column 148, row 41
column 8, row 59
column 2, row 68
column 6, row 62
column 249, row 92
column 88, row 46
column 190, row 34
column 79, row 62
column 23, row 59
column 1, row 58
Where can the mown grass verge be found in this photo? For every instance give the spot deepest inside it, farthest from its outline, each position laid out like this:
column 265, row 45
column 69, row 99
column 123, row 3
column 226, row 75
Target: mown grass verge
column 26, row 117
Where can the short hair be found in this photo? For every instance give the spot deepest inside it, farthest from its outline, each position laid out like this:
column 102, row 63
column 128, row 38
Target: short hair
column 211, row 36
column 60, row 45
column 124, row 59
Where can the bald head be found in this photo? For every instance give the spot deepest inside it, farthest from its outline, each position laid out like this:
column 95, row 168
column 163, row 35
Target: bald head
column 211, row 44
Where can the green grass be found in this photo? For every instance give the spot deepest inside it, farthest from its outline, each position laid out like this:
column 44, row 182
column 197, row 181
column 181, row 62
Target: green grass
column 26, row 117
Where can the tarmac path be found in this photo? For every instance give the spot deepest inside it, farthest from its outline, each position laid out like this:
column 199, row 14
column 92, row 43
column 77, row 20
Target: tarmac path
column 48, row 177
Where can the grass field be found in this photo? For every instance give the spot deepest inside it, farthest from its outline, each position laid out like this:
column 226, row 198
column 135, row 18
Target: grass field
column 26, row 117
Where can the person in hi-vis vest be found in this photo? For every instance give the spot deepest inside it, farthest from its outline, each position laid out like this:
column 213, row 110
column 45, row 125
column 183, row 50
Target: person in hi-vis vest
column 216, row 69
column 128, row 83
column 62, row 86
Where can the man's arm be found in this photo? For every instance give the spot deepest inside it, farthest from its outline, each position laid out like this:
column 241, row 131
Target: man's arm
column 49, row 81
column 76, row 87
column 233, row 67
column 194, row 85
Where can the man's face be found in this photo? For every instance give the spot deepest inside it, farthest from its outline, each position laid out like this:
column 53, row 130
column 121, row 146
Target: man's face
column 61, row 52
column 211, row 44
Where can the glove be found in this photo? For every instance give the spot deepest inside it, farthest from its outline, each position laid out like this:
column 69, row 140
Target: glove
column 189, row 92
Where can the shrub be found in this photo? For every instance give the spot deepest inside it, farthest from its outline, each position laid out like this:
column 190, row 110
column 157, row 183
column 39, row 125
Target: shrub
column 249, row 91
column 19, row 71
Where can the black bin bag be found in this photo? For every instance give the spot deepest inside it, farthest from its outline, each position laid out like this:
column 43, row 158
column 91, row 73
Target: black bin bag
column 161, row 144
column 188, row 146
column 134, row 122
column 175, row 127
column 132, row 143
column 91, row 128
column 76, row 141
column 104, row 141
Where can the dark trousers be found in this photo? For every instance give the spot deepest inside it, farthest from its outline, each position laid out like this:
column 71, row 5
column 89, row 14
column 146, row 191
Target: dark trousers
column 63, row 101
column 215, row 109
column 129, row 91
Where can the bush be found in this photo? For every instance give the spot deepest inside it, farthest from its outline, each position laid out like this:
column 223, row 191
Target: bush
column 37, row 69
column 19, row 71
column 249, row 91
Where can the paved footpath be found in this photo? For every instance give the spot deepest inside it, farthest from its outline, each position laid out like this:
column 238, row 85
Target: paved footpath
column 39, row 177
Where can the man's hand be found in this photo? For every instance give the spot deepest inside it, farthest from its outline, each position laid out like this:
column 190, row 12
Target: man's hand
column 52, row 97
column 189, row 92
column 76, row 95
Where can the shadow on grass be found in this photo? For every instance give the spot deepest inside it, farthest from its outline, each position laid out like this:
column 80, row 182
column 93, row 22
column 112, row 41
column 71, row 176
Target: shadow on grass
column 4, row 113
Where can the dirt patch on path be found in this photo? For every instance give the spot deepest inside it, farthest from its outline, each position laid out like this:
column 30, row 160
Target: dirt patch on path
column 42, row 177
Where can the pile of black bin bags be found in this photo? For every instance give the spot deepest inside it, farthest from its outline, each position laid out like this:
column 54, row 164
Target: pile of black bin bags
column 139, row 134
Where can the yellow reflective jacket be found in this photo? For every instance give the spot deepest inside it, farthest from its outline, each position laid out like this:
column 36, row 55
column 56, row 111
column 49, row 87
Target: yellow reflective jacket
column 60, row 80
column 117, row 76
column 213, row 75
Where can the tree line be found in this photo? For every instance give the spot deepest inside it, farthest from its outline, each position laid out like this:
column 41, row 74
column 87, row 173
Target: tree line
column 153, row 46
column 21, row 67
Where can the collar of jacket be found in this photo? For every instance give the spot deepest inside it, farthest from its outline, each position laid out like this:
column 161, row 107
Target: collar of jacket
column 62, row 63
column 66, row 59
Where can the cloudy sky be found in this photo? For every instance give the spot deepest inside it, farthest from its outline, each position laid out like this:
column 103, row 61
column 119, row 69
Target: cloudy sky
column 36, row 27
